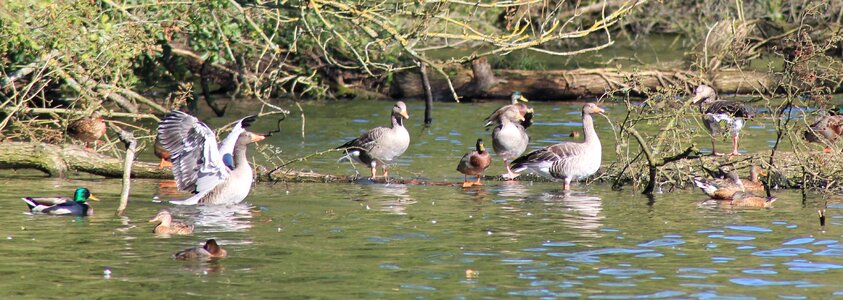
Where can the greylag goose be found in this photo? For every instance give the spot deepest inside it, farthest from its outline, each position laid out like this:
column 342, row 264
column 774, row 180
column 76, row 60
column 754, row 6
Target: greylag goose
column 166, row 225
column 210, row 250
column 732, row 112
column 509, row 139
column 198, row 164
column 474, row 163
column 567, row 160
column 825, row 131
column 380, row 145
column 227, row 144
column 87, row 129
column 518, row 103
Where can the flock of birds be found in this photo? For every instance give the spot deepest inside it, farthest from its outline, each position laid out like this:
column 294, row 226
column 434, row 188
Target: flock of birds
column 220, row 173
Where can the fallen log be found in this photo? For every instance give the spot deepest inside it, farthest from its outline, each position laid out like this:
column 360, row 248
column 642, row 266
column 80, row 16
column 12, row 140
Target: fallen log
column 58, row 160
column 578, row 83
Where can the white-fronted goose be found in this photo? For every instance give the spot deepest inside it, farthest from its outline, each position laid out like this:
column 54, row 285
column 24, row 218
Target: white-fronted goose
column 518, row 103
column 379, row 146
column 474, row 163
column 732, row 112
column 567, row 160
column 87, row 129
column 198, row 165
column 509, row 139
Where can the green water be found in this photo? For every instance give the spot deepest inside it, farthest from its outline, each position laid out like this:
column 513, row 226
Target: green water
column 342, row 241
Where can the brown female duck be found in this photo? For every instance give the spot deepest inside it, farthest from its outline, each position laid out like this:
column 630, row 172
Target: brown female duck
column 210, row 250
column 474, row 163
column 87, row 129
column 166, row 225
column 825, row 131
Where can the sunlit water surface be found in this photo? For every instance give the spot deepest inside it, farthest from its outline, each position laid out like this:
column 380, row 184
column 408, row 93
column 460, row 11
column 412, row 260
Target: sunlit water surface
column 363, row 240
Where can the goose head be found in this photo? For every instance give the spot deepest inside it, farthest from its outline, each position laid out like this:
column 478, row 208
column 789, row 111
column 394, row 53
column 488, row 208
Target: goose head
column 400, row 109
column 248, row 137
column 591, row 108
column 703, row 93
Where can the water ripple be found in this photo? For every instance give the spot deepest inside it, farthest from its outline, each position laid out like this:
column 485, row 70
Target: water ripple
column 749, row 228
column 625, row 272
column 662, row 243
column 765, row 282
column 782, row 252
column 799, row 241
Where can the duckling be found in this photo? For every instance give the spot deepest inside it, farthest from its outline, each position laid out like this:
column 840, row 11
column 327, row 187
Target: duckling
column 209, row 251
column 77, row 206
column 474, row 163
column 87, row 129
column 166, row 225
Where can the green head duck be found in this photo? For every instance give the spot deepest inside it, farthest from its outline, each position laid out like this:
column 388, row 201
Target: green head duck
column 82, row 195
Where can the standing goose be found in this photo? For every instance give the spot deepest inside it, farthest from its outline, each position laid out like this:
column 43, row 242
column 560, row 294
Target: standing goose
column 567, row 160
column 519, row 104
column 509, row 139
column 474, row 163
column 380, row 145
column 825, row 131
column 198, row 164
column 733, row 113
column 88, row 129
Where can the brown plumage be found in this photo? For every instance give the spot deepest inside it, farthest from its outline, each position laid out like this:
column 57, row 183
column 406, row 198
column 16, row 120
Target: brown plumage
column 743, row 199
column 474, row 163
column 87, row 129
column 721, row 189
column 754, row 184
column 825, row 131
column 210, row 250
column 166, row 225
column 163, row 154
column 518, row 104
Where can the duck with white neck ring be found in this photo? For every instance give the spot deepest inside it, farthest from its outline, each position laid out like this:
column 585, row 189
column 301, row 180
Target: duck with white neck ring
column 567, row 160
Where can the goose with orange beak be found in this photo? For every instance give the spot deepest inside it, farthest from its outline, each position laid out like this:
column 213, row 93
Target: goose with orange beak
column 380, row 146
column 198, row 164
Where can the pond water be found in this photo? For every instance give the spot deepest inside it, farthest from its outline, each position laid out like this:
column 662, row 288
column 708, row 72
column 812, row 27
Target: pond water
column 363, row 240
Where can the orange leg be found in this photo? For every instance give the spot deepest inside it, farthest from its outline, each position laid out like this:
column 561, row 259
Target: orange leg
column 478, row 180
column 165, row 164
column 465, row 182
column 509, row 174
column 374, row 172
column 827, row 150
column 735, row 146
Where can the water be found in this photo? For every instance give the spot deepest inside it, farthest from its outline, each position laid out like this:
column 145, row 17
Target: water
column 504, row 240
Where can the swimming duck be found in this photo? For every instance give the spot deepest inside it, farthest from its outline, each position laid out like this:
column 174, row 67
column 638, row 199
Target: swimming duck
column 474, row 163
column 732, row 112
column 825, row 131
column 380, row 145
column 567, row 160
column 166, row 225
column 754, row 184
column 518, row 103
column 210, row 250
column 509, row 139
column 198, row 164
column 745, row 199
column 76, row 206
column 722, row 189
column 87, row 129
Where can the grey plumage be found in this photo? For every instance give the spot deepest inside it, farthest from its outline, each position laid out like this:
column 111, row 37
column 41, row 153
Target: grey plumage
column 381, row 145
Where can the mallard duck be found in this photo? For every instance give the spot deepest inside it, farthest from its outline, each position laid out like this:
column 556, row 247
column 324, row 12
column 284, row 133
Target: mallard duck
column 509, row 139
column 210, row 250
column 754, row 184
column 379, row 146
column 745, row 199
column 567, row 160
column 166, row 225
column 163, row 154
column 721, row 189
column 518, row 103
column 733, row 113
column 474, row 163
column 76, row 206
column 198, row 164
column 825, row 131
column 87, row 129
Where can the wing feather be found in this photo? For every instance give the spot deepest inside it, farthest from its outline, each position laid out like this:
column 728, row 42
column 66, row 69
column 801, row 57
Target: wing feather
column 197, row 162
column 367, row 140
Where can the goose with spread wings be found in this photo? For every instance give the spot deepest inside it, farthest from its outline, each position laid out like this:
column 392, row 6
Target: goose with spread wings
column 199, row 164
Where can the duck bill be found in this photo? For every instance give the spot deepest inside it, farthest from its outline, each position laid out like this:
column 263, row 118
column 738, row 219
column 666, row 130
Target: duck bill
column 258, row 138
column 523, row 99
column 600, row 110
column 404, row 114
column 91, row 197
column 697, row 98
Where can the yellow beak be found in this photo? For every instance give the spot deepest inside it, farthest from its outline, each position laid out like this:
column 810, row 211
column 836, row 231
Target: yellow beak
column 523, row 99
column 404, row 114
column 91, row 197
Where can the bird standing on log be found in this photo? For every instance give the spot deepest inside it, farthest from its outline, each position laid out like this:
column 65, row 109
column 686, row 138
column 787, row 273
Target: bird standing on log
column 87, row 129
column 198, row 162
column 518, row 103
column 826, row 130
column 715, row 111
column 474, row 163
column 567, row 160
column 381, row 145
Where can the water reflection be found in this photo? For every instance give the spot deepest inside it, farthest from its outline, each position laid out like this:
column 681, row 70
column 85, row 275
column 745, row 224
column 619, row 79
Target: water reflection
column 216, row 218
column 394, row 197
column 587, row 211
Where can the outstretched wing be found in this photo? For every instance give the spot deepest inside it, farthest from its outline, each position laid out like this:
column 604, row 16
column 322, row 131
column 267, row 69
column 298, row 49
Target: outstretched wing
column 227, row 145
column 197, row 163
